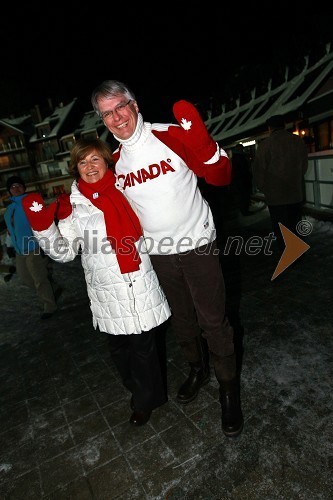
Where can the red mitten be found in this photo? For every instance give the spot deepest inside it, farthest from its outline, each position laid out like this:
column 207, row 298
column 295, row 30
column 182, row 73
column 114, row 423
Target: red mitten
column 64, row 207
column 39, row 216
column 192, row 131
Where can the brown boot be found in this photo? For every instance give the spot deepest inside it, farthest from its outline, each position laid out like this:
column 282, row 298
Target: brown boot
column 199, row 376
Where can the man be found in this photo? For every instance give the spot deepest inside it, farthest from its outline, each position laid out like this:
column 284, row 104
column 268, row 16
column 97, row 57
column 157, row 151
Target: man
column 279, row 166
column 31, row 265
column 157, row 167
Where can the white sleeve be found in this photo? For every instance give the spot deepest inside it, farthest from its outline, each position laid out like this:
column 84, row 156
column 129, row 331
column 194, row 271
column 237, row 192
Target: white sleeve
column 59, row 243
column 219, row 152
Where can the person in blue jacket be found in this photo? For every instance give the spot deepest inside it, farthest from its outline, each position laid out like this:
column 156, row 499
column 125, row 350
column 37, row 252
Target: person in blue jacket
column 31, row 263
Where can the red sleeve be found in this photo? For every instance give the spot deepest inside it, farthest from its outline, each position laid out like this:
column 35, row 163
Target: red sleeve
column 217, row 174
column 115, row 156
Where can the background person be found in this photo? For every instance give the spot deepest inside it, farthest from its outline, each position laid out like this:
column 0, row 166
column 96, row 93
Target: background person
column 31, row 265
column 241, row 179
column 126, row 299
column 7, row 257
column 157, row 167
column 279, row 166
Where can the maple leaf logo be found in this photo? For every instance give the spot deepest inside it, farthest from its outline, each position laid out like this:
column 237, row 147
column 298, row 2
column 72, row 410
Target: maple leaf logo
column 186, row 124
column 36, row 207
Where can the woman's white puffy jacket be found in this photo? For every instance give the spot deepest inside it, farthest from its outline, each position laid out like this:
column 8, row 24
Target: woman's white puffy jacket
column 121, row 304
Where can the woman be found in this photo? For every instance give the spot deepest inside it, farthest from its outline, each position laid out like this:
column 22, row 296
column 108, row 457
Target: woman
column 126, row 299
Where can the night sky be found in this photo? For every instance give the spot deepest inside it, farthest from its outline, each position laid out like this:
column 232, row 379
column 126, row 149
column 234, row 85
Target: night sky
column 164, row 53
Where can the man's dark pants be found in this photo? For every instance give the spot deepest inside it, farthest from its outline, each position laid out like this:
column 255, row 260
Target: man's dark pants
column 194, row 286
column 288, row 215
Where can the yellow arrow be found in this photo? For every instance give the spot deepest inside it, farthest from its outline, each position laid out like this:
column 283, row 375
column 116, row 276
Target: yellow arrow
column 295, row 247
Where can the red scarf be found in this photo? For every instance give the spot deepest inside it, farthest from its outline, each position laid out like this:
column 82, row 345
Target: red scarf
column 123, row 228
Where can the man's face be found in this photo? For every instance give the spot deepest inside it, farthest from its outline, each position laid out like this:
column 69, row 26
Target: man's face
column 119, row 115
column 16, row 189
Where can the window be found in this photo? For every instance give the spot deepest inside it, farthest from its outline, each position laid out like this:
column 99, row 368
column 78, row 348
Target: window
column 43, row 130
column 323, row 136
column 67, row 143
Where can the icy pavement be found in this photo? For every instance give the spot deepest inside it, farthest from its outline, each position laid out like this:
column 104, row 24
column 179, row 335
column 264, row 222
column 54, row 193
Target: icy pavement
column 64, row 414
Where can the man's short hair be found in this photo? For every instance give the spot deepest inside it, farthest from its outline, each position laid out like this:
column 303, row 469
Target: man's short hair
column 275, row 121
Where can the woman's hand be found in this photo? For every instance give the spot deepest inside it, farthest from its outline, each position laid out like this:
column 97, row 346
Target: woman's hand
column 39, row 215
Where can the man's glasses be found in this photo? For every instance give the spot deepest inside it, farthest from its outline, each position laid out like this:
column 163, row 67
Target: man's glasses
column 109, row 115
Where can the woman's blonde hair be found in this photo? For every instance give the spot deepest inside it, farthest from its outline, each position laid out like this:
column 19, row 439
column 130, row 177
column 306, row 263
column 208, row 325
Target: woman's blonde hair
column 82, row 147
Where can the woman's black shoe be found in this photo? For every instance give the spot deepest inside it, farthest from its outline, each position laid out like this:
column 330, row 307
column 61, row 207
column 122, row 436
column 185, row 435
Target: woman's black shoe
column 140, row 417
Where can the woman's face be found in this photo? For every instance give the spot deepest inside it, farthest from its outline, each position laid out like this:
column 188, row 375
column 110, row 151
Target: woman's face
column 92, row 167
